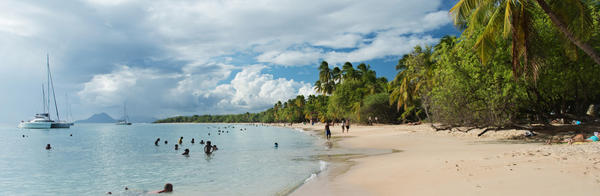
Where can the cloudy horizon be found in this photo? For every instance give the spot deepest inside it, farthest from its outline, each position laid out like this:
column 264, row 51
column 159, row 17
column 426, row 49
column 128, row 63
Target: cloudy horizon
column 166, row 58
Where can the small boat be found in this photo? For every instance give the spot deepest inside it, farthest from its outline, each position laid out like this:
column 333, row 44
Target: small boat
column 41, row 121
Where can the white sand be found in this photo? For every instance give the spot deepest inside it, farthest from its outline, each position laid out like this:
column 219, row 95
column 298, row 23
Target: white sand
column 442, row 163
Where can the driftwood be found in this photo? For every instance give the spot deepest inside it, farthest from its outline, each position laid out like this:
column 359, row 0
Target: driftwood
column 485, row 128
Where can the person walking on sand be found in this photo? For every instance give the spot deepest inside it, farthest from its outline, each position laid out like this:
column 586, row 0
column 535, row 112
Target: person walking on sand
column 343, row 125
column 327, row 131
column 347, row 125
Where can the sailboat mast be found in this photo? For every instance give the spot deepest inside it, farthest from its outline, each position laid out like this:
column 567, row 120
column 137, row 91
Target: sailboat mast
column 43, row 99
column 52, row 83
column 48, row 83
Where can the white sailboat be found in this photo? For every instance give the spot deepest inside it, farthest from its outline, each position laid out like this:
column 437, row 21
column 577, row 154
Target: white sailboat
column 42, row 120
column 125, row 118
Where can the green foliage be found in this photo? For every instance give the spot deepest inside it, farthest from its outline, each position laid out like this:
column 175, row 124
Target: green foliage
column 377, row 105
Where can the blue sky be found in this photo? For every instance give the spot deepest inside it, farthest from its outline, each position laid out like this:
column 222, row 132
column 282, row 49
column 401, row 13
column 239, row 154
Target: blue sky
column 166, row 58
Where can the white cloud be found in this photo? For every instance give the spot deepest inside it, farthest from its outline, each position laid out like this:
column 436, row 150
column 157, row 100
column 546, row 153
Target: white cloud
column 303, row 56
column 340, row 41
column 253, row 90
column 383, row 45
column 193, row 92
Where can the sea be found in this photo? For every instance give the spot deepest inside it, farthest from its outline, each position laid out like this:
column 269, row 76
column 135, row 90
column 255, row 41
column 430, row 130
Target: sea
column 102, row 158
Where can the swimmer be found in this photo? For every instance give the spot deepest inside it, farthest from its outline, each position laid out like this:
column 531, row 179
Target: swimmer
column 201, row 141
column 208, row 148
column 208, row 133
column 180, row 140
column 23, row 135
column 166, row 142
column 71, row 135
column 176, row 147
column 168, row 188
column 156, row 142
column 215, row 147
column 193, row 141
column 48, row 147
column 276, row 145
column 187, row 152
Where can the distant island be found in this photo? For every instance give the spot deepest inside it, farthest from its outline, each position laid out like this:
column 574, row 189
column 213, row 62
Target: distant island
column 105, row 118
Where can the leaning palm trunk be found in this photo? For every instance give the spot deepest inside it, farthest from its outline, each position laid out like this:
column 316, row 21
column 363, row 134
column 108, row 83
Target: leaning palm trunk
column 563, row 29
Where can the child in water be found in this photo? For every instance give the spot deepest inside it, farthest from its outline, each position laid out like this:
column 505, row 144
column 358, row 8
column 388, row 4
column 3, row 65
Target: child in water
column 208, row 148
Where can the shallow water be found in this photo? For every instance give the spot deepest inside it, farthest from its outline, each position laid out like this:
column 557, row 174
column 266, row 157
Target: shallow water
column 104, row 157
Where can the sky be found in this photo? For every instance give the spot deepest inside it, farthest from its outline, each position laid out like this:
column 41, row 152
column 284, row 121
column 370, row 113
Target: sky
column 164, row 58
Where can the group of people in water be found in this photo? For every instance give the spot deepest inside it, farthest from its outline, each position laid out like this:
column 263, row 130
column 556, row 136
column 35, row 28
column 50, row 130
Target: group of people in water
column 208, row 148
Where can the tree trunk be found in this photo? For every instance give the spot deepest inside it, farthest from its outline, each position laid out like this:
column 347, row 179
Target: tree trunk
column 563, row 29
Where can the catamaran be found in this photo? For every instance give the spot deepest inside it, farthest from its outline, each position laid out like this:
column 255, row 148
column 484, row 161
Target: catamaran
column 43, row 120
column 125, row 118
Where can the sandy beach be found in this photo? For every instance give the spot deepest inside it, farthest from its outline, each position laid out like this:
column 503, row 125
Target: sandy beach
column 422, row 161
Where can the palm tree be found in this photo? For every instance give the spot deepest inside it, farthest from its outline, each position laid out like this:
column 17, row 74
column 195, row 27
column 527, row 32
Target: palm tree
column 325, row 83
column 348, row 71
column 416, row 71
column 513, row 17
column 336, row 75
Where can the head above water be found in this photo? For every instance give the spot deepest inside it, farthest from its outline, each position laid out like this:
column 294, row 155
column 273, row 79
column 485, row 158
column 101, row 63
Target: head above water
column 168, row 187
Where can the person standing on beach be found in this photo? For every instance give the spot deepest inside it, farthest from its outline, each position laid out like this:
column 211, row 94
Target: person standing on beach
column 327, row 131
column 347, row 125
column 343, row 125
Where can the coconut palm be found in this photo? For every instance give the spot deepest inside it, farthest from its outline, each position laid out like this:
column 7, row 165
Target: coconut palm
column 513, row 17
column 325, row 84
column 415, row 73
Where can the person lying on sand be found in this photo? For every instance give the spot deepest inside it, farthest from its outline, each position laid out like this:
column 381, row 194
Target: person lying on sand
column 577, row 138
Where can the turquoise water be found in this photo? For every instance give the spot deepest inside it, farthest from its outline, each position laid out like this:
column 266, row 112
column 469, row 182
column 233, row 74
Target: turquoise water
column 104, row 157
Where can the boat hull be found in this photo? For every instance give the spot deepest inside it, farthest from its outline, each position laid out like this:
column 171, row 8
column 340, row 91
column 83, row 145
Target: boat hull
column 35, row 125
column 61, row 125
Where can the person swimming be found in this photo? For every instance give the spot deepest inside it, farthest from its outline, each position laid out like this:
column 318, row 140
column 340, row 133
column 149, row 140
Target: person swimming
column 48, row 147
column 186, row 152
column 276, row 145
column 168, row 188
column 214, row 147
column 201, row 141
column 166, row 142
column 176, row 147
column 156, row 142
column 180, row 140
column 193, row 141
column 208, row 148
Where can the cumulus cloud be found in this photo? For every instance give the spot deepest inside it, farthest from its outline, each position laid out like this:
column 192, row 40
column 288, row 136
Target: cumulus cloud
column 150, row 91
column 252, row 90
column 303, row 56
